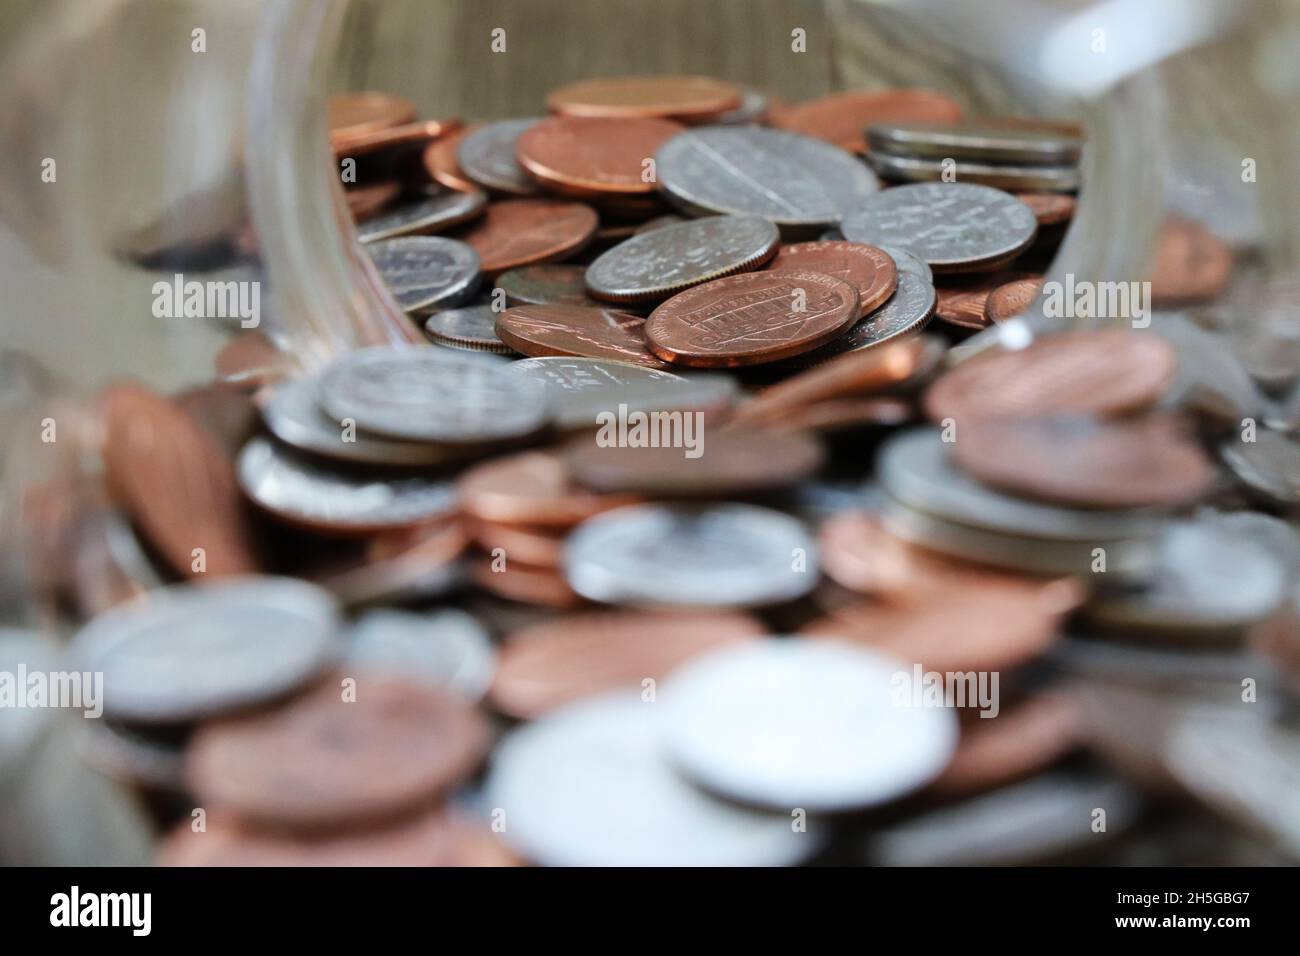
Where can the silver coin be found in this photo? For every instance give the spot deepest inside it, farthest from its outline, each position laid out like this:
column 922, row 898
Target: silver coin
column 906, row 312
column 908, row 261
column 802, row 723
column 487, row 156
column 446, row 649
column 302, row 493
column 579, row 389
column 587, row 785
column 727, row 555
column 752, row 109
column 795, row 181
column 655, row 265
column 1269, row 466
column 425, row 272
column 951, row 226
column 432, row 395
column 439, row 209
column 470, row 327
column 1058, row 179
column 195, row 651
column 975, row 141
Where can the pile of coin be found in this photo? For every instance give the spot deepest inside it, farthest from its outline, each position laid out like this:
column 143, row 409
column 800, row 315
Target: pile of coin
column 662, row 550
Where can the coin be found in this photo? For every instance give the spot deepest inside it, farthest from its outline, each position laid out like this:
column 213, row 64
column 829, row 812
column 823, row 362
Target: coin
column 535, row 546
column 530, row 488
column 316, row 499
column 486, row 155
column 440, row 161
column 1103, row 373
column 657, row 264
column 445, row 649
column 658, row 222
column 975, row 141
column 545, row 285
column 796, row 723
column 1012, row 299
column 547, row 665
column 390, row 137
column 578, row 331
column 439, row 209
column 515, row 581
column 587, row 785
column 520, row 232
column 354, row 114
column 406, row 564
column 594, row 157
column 869, row 270
column 908, row 261
column 907, row 312
column 841, row 118
column 471, row 327
column 964, row 304
column 1132, row 463
column 250, row 359
column 329, row 758
column 798, row 183
column 1269, row 466
column 847, row 413
column 1190, row 264
column 190, row 652
column 176, row 483
column 432, row 395
column 954, row 227
column 1050, row 209
column 425, row 272
column 365, row 202
column 751, row 318
column 690, row 99
column 727, row 555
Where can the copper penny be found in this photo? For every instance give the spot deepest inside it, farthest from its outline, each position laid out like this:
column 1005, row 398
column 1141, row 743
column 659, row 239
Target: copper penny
column 441, row 162
column 519, row 232
column 1131, row 463
column 690, row 99
column 588, row 157
column 962, row 303
column 546, row 285
column 842, row 118
column 353, row 115
column 326, row 759
column 869, row 270
column 1050, row 209
column 1014, row 298
column 1105, row 373
column 751, row 318
column 578, row 655
column 367, row 201
column 1025, row 738
column 539, row 547
column 532, row 488
column 178, row 486
column 1191, row 264
column 362, row 144
column 587, row 331
column 838, row 414
column 251, row 359
column 516, row 581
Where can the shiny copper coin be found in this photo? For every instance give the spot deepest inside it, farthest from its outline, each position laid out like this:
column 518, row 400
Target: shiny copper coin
column 1131, row 463
column 441, row 163
column 578, row 655
column 1050, row 209
column 588, row 157
column 519, row 232
column 587, row 331
column 177, row 485
column 690, row 99
column 373, row 141
column 1027, row 737
column 1105, row 373
column 538, row 547
column 1014, row 298
column 516, row 581
column 367, row 201
column 869, row 270
column 532, row 488
column 842, row 118
column 352, row 115
column 962, row 303
column 546, row 285
column 328, row 759
column 751, row 318
column 1191, row 264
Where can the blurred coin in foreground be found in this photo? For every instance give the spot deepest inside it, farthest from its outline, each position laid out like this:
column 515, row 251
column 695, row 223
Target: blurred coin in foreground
column 446, row 649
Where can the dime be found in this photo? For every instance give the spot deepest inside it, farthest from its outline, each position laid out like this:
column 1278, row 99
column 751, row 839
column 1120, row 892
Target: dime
column 954, row 227
column 327, row 759
column 908, row 261
column 531, row 488
column 471, row 327
column 907, row 312
column 519, row 232
column 1104, row 373
column 796, row 723
column 354, row 114
column 657, row 264
column 333, row 502
column 841, row 118
column 191, row 652
column 445, row 649
column 587, row 785
column 432, row 395
column 487, row 156
column 869, row 270
column 690, row 99
column 1190, row 264
column 751, row 318
column 425, row 272
column 588, row 157
column 1269, row 465
column 439, row 209
column 545, row 285
column 441, row 164
column 964, row 304
column 727, row 555
column 1012, row 299
column 546, row 665
column 1011, row 178
column 975, row 141
column 576, row 330
column 794, row 181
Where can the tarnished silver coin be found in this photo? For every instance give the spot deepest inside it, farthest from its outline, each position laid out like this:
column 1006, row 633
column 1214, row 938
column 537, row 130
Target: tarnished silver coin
column 545, row 284
column 580, row 389
column 470, row 327
column 906, row 312
column 953, row 227
column 907, row 261
column 799, row 183
column 802, row 723
column 425, row 272
column 447, row 649
column 437, row 210
column 655, row 265
column 976, row 141
column 1057, row 179
column 487, row 156
column 304, row 494
column 587, row 785
column 727, row 555
column 195, row 651
column 1269, row 466
column 431, row 394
